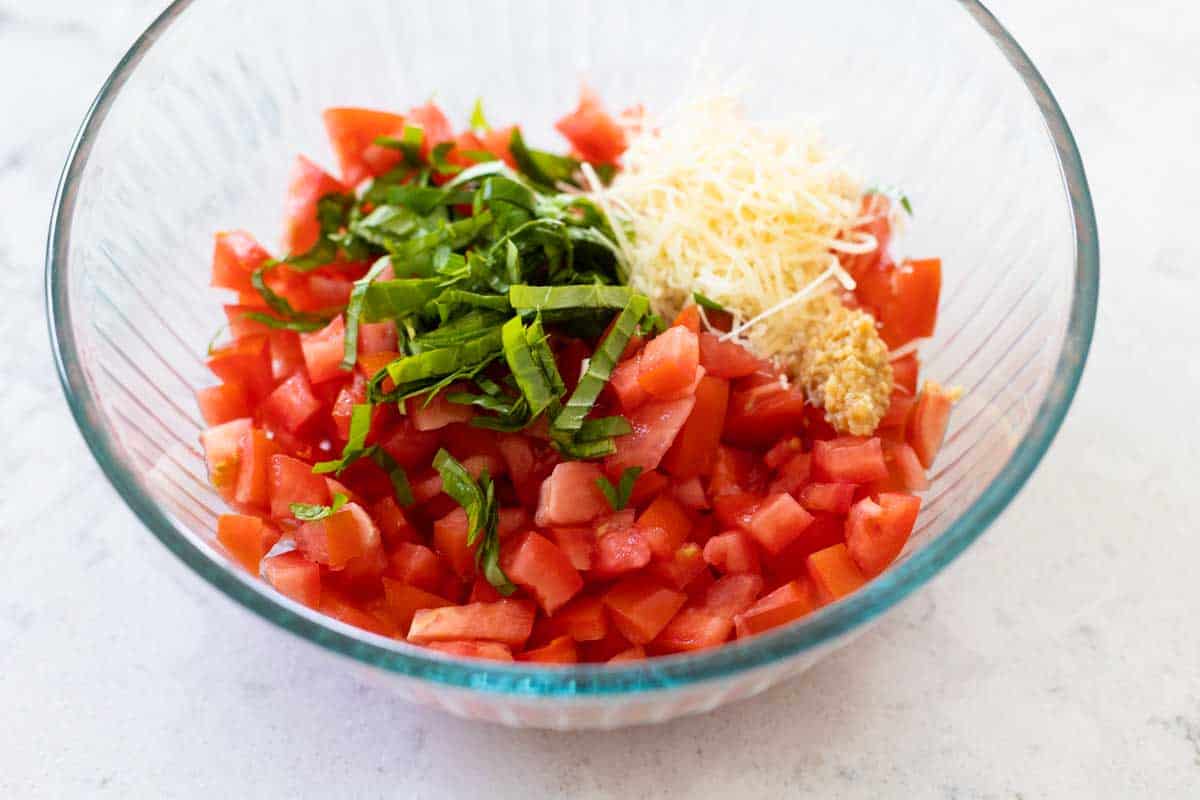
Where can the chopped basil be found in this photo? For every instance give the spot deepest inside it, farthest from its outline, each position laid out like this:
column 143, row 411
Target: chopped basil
column 308, row 512
column 618, row 496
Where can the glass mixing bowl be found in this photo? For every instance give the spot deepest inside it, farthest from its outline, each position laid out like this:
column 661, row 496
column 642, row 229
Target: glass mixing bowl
column 196, row 128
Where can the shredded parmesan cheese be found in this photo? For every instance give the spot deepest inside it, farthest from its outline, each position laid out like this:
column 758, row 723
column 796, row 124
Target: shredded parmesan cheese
column 753, row 216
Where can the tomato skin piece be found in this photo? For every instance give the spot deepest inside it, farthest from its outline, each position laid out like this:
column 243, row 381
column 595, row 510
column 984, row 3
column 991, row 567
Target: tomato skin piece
column 415, row 565
column 877, row 531
column 592, row 131
column 254, row 470
column 655, row 426
column 692, row 452
column 534, row 563
column 669, row 362
column 692, row 629
column 670, row 521
column 928, row 423
column 640, row 607
column 571, row 496
column 489, row 651
column 246, row 538
column 292, row 403
column 834, row 573
column 506, row 621
column 404, row 601
column 352, row 132
column 732, row 553
column 222, row 403
column 789, row 602
column 726, row 360
column 307, row 184
column 835, row 498
column 323, row 351
column 732, row 594
column 236, row 254
column 295, row 576
column 559, row 651
column 849, row 459
column 778, row 522
column 222, row 454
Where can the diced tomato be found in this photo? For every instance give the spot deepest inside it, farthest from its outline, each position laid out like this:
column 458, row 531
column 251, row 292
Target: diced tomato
column 344, row 610
column 292, row 403
column 655, row 426
column 436, row 128
column 733, row 594
column 534, row 563
column 287, row 357
column 833, row 497
column 375, row 338
column 619, row 552
column 905, row 371
column 294, row 576
column 779, row 521
column 483, row 592
column 736, row 510
column 578, row 544
column 764, row 414
column 592, row 131
column 669, row 362
column 876, row 531
column 506, row 621
column 496, row 142
column 222, row 403
column 293, row 481
column 308, row 184
column 369, row 364
column 640, row 607
column 696, row 445
column 247, row 362
column 426, row 484
column 692, row 629
column 323, row 351
column 411, row 448
column 510, row 521
column 647, row 486
column 254, row 469
column 726, row 360
column 783, row 451
column 571, row 496
column 911, row 311
column 635, row 653
column 490, row 651
column 906, row 466
column 690, row 494
column 559, row 651
column 671, row 523
column 236, row 254
column 450, row 540
column 793, row 474
column 731, row 553
column 898, row 410
column 435, row 414
column 353, row 131
column 849, row 459
column 834, row 573
column 680, row 569
column 525, row 465
column 415, row 565
column 403, row 601
column 787, row 603
column 583, row 619
column 350, row 395
column 222, row 454
column 927, row 426
column 731, row 472
column 350, row 533
column 393, row 525
column 625, row 386
column 247, row 539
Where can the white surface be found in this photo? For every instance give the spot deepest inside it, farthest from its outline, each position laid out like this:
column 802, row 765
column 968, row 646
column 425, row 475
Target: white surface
column 1060, row 657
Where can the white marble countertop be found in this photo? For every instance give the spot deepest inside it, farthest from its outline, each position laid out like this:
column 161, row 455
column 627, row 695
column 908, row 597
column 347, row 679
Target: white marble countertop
column 1060, row 657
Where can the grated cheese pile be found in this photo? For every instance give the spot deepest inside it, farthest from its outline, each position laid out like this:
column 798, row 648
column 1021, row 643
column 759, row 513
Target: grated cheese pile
column 753, row 216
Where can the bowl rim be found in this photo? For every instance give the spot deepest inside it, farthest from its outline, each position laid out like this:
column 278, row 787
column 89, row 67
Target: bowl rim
column 823, row 627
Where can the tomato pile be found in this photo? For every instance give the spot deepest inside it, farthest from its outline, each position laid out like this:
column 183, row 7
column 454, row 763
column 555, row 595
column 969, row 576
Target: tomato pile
column 729, row 508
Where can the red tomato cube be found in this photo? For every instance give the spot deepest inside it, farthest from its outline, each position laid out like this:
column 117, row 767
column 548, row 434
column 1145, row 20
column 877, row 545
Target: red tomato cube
column 222, row 403
column 640, row 607
column 323, row 351
column 927, row 425
column 293, row 481
column 254, row 470
column 787, row 603
column 536, row 565
column 307, row 184
column 247, row 539
column 404, row 601
column 732, row 594
column 506, row 621
column 292, row 403
column 655, row 426
column 571, row 495
column 669, row 362
column 295, row 576
column 876, row 531
column 849, row 459
column 222, row 446
column 692, row 629
column 695, row 446
column 832, row 497
column 665, row 526
column 732, row 552
column 834, row 573
column 778, row 522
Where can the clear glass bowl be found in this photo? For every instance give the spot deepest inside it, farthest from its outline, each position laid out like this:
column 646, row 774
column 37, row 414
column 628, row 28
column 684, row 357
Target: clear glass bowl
column 195, row 130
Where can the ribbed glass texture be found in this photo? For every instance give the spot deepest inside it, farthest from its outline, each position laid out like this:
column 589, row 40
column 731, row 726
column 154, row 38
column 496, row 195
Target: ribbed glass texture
column 195, row 131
